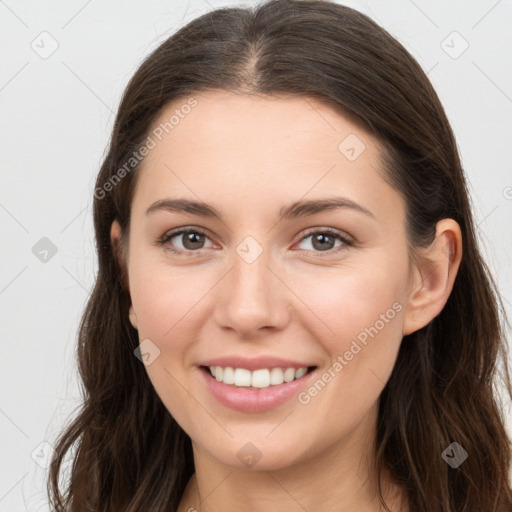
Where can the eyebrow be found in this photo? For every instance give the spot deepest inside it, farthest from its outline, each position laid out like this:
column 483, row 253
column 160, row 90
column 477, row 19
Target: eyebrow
column 294, row 210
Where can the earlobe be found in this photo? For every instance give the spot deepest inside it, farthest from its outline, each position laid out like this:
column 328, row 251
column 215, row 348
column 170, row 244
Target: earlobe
column 434, row 276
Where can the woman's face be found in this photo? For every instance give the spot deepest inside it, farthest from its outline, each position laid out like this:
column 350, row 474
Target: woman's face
column 265, row 279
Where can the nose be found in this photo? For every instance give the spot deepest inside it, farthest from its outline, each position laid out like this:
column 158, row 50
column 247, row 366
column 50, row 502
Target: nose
column 252, row 299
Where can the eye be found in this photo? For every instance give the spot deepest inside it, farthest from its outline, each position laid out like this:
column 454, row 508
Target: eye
column 323, row 241
column 192, row 242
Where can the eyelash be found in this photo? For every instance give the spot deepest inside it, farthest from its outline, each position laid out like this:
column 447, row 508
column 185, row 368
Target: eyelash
column 166, row 237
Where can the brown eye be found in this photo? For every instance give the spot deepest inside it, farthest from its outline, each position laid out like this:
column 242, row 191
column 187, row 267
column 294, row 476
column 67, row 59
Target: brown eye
column 192, row 240
column 324, row 241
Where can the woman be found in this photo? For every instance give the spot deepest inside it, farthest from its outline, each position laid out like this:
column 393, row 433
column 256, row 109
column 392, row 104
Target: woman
column 229, row 361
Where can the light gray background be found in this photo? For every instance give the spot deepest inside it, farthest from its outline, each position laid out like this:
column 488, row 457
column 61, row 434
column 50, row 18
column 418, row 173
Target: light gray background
column 56, row 116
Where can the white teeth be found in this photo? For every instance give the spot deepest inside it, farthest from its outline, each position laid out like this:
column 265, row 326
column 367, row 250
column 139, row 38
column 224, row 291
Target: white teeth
column 229, row 376
column 289, row 374
column 276, row 376
column 242, row 377
column 301, row 372
column 262, row 378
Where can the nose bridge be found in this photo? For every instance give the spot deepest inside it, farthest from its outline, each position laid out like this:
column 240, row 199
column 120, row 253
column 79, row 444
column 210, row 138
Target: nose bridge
column 251, row 297
column 250, row 276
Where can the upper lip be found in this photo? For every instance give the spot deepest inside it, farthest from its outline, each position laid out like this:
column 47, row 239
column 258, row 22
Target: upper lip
column 254, row 363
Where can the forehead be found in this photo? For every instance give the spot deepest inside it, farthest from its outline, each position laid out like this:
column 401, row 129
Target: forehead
column 258, row 149
column 226, row 117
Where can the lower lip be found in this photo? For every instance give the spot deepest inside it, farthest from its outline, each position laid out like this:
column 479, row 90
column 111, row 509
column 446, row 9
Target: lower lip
column 254, row 400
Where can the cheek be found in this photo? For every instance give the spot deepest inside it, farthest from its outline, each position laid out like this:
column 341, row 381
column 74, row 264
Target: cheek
column 168, row 302
column 156, row 294
column 361, row 331
column 152, row 298
column 358, row 317
column 165, row 301
column 347, row 301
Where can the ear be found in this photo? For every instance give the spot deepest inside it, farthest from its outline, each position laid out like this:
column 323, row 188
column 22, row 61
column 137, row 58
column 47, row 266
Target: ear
column 119, row 253
column 433, row 276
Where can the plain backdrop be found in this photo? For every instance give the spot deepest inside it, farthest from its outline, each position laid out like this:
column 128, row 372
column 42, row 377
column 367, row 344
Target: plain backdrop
column 63, row 68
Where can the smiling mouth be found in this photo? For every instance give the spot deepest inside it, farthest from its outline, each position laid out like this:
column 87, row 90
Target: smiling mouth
column 263, row 378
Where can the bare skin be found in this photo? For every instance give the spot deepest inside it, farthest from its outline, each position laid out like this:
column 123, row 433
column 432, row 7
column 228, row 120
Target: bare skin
column 250, row 156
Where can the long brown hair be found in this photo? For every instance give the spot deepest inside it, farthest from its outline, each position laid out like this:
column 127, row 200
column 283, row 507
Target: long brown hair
column 129, row 452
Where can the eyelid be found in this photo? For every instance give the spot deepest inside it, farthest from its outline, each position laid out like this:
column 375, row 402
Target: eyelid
column 331, row 231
